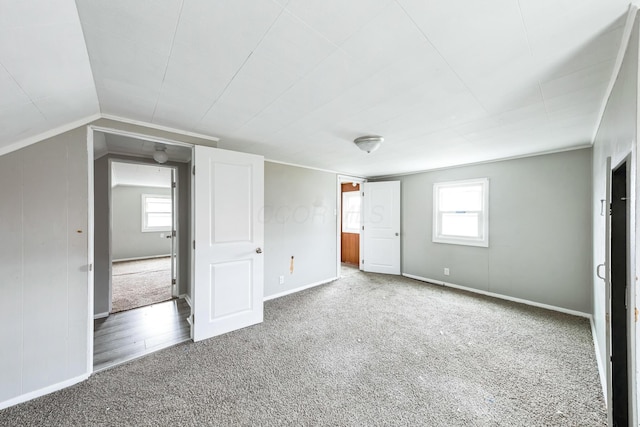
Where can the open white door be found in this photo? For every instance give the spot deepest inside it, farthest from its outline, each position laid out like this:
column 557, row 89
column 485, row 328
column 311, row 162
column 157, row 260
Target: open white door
column 229, row 233
column 381, row 227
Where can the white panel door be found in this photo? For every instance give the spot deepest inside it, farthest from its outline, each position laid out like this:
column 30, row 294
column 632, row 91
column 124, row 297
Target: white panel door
column 381, row 232
column 229, row 236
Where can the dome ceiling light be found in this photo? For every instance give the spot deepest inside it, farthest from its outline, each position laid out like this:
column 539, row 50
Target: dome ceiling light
column 160, row 155
column 368, row 143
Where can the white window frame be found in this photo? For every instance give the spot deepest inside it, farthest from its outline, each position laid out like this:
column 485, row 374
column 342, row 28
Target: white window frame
column 145, row 228
column 438, row 237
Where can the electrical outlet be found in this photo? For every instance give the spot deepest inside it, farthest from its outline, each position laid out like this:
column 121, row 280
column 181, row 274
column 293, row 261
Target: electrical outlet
column 446, row 271
column 281, row 280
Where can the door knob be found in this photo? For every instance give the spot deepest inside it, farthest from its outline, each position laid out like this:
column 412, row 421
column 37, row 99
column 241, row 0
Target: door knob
column 259, row 250
column 397, row 234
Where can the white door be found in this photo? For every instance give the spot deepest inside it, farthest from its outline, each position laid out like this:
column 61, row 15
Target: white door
column 381, row 227
column 229, row 233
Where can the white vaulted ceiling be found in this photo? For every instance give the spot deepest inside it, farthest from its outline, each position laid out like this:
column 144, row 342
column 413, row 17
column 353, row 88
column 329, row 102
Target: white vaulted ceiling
column 45, row 74
column 446, row 83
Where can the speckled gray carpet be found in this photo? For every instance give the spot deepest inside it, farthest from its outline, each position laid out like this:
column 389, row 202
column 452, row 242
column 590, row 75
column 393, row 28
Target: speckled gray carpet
column 140, row 283
column 364, row 350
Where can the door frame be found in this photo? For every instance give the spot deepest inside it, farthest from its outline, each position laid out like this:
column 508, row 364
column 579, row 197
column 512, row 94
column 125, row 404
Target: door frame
column 632, row 295
column 91, row 129
column 175, row 248
column 342, row 179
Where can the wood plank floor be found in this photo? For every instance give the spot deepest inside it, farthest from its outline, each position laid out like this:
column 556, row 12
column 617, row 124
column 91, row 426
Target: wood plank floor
column 130, row 334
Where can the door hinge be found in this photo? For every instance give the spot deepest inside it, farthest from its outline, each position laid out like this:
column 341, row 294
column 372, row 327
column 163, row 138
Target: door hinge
column 194, row 244
column 363, row 194
column 362, row 261
column 194, row 169
column 173, row 281
column 173, row 184
column 363, row 227
column 91, row 269
column 173, row 233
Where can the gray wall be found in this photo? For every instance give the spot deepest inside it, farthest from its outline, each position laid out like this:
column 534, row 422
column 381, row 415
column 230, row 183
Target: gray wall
column 101, row 236
column 127, row 238
column 616, row 138
column 539, row 230
column 101, row 200
column 300, row 221
column 43, row 264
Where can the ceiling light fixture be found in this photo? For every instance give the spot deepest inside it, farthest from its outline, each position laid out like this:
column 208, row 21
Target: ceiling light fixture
column 368, row 143
column 160, row 154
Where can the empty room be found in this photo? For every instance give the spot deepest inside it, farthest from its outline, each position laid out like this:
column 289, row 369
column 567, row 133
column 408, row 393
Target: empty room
column 296, row 212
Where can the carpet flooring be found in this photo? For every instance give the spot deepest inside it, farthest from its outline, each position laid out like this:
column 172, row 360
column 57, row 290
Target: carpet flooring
column 367, row 349
column 140, row 283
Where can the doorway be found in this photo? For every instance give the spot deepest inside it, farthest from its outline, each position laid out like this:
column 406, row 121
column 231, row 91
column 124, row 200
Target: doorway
column 220, row 215
column 141, row 230
column 350, row 224
column 619, row 296
column 143, row 227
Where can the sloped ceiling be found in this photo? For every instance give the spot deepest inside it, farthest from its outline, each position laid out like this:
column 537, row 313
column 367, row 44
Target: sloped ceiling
column 446, row 83
column 45, row 74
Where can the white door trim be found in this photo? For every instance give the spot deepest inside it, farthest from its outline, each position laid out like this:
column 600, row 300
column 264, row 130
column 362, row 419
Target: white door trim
column 137, row 135
column 90, row 252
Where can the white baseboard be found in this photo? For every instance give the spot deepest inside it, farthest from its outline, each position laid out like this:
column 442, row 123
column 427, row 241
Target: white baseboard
column 100, row 315
column 601, row 371
column 141, row 258
column 41, row 392
column 187, row 298
column 500, row 296
column 301, row 288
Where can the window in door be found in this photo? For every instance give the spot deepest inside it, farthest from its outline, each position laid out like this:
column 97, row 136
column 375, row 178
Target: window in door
column 461, row 212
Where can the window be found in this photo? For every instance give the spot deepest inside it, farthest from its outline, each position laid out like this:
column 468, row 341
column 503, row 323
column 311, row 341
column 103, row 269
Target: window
column 351, row 212
column 156, row 213
column 461, row 212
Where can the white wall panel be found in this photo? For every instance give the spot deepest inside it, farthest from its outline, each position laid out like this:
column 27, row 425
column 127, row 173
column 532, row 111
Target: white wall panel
column 47, row 303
